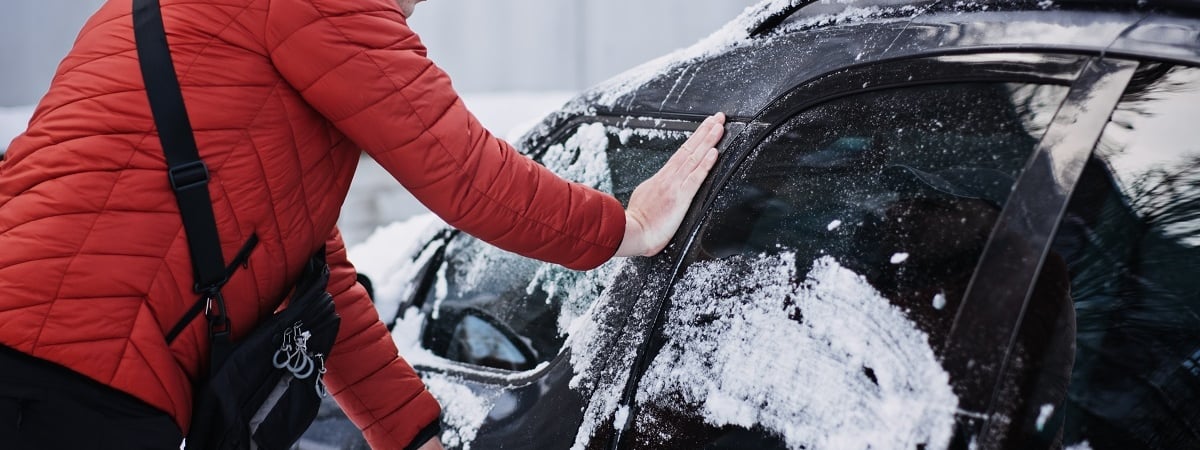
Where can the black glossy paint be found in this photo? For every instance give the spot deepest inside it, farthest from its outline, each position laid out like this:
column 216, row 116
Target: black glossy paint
column 745, row 79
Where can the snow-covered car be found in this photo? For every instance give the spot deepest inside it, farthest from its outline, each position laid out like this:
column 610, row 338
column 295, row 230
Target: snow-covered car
column 938, row 224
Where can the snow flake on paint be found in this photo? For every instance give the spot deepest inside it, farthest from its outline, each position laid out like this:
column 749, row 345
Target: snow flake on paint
column 939, row 301
column 1043, row 415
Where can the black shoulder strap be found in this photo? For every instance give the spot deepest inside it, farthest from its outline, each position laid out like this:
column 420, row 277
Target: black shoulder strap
column 186, row 172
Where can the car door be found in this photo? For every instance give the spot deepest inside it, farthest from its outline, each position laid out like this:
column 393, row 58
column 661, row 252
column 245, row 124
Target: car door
column 817, row 295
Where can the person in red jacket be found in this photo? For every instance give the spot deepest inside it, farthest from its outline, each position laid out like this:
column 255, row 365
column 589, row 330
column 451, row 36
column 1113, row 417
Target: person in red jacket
column 283, row 95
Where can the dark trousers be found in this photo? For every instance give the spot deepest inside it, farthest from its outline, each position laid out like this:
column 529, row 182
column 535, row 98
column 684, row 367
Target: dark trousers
column 44, row 406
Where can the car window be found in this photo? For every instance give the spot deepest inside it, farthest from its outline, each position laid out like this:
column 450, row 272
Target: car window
column 1131, row 242
column 808, row 312
column 496, row 309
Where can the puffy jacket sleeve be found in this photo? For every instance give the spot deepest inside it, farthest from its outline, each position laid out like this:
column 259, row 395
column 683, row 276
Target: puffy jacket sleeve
column 358, row 63
column 380, row 392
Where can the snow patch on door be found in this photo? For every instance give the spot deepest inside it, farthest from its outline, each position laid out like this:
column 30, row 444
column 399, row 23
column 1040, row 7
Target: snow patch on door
column 824, row 363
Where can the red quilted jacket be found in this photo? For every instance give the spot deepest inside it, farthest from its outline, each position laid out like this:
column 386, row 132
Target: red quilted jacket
column 283, row 95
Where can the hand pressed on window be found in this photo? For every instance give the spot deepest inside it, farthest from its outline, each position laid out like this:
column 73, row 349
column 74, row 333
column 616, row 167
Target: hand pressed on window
column 657, row 206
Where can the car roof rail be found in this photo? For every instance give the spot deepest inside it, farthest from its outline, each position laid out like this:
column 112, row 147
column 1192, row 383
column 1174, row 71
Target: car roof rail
column 768, row 14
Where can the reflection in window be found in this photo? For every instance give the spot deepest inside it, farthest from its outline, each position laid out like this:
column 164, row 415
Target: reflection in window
column 1130, row 239
column 526, row 304
column 479, row 341
column 900, row 186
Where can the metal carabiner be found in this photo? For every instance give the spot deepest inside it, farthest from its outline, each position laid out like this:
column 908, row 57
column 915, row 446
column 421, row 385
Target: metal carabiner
column 322, row 390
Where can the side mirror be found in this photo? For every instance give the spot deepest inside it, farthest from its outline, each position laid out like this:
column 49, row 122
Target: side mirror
column 472, row 336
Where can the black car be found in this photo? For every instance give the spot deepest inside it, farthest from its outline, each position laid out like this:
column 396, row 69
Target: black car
column 938, row 224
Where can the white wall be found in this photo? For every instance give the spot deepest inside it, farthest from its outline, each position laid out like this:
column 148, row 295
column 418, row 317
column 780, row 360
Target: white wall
column 34, row 37
column 506, row 45
column 485, row 45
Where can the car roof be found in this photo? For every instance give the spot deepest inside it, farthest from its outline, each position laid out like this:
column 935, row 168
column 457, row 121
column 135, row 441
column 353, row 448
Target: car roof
column 778, row 44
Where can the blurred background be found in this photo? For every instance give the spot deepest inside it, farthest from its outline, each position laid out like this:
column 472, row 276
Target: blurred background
column 513, row 61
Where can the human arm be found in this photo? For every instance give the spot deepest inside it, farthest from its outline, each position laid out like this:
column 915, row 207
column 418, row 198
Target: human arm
column 359, row 65
column 377, row 389
column 657, row 206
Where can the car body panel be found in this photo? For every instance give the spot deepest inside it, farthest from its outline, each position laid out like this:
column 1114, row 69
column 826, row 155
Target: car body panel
column 734, row 82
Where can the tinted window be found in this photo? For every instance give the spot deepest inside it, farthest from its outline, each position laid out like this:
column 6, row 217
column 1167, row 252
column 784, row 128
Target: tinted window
column 493, row 308
column 831, row 267
column 1130, row 240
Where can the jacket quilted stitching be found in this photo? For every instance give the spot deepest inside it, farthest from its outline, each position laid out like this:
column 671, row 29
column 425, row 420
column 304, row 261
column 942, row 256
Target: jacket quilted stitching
column 284, row 95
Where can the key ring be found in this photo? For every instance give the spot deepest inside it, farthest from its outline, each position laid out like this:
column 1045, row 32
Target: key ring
column 284, row 353
column 298, row 361
column 305, row 370
column 280, row 360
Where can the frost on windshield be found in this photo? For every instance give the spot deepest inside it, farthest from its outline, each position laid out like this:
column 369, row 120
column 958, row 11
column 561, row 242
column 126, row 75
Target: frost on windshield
column 826, row 362
column 582, row 158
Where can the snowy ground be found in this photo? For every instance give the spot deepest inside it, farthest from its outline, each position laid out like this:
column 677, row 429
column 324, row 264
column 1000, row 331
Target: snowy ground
column 375, row 198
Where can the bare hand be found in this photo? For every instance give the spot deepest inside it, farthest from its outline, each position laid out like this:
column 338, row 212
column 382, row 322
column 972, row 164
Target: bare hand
column 432, row 444
column 657, row 206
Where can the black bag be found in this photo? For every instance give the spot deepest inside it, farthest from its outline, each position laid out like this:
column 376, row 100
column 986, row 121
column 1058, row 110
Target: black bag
column 264, row 391
column 269, row 389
